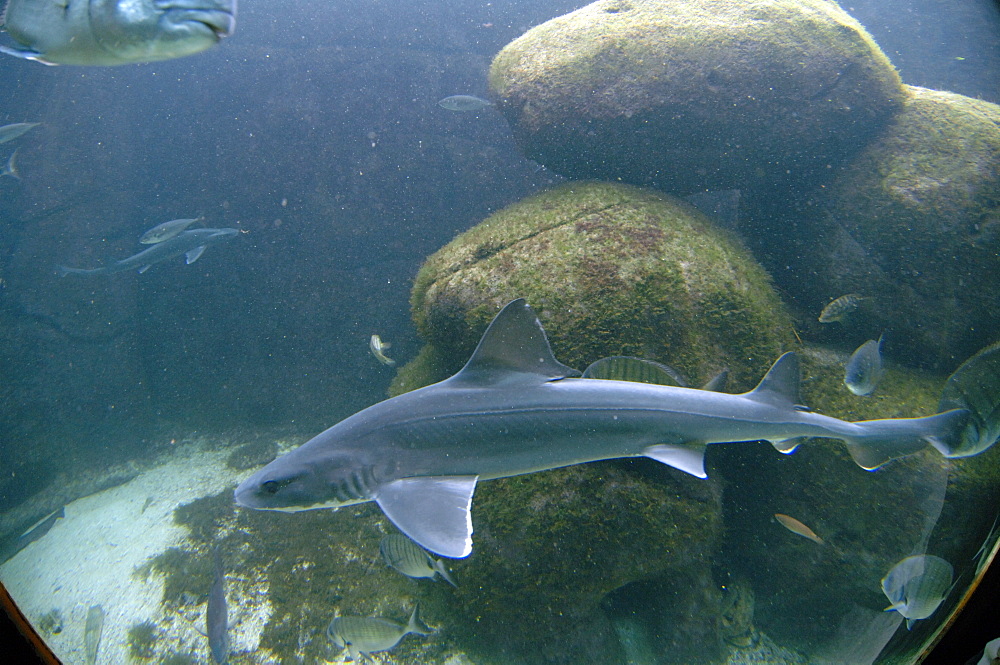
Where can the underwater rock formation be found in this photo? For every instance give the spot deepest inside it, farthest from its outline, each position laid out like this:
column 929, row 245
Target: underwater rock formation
column 552, row 549
column 611, row 270
column 686, row 96
column 913, row 224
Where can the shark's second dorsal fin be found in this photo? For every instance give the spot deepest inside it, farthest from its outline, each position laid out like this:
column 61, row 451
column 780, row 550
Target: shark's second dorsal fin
column 514, row 343
column 780, row 386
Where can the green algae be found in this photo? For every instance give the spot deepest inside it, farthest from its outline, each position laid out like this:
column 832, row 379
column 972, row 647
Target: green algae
column 427, row 368
column 142, row 638
column 610, row 270
column 552, row 546
column 655, row 92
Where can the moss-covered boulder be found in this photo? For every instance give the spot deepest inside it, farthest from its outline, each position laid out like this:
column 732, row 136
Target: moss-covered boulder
column 695, row 94
column 610, row 270
column 913, row 223
column 554, row 549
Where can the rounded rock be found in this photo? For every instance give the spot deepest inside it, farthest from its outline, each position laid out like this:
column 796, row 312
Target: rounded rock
column 913, row 225
column 610, row 270
column 695, row 95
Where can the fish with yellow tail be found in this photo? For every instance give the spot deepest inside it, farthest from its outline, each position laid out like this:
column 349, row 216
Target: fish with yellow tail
column 378, row 349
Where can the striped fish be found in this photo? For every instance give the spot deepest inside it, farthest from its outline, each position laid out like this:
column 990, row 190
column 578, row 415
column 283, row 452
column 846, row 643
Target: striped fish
column 412, row 560
column 378, row 349
column 916, row 586
column 640, row 370
column 366, row 635
column 864, row 370
column 840, row 308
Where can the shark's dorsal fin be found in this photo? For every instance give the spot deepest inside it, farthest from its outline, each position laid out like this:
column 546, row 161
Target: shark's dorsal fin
column 433, row 511
column 780, row 386
column 514, row 343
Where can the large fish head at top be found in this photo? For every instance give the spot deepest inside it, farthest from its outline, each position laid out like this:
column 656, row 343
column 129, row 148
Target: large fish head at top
column 115, row 32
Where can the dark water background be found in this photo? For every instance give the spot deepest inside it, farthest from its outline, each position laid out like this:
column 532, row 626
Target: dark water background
column 315, row 129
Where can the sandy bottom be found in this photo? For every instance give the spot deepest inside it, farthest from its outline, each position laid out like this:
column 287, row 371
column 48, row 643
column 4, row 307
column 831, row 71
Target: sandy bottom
column 88, row 558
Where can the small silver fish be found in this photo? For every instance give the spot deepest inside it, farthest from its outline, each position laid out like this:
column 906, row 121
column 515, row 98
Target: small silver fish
column 840, row 308
column 92, row 633
column 10, row 168
column 917, row 585
column 11, row 132
column 167, row 230
column 412, row 560
column 864, row 369
column 797, row 527
column 366, row 635
column 378, row 348
column 464, row 103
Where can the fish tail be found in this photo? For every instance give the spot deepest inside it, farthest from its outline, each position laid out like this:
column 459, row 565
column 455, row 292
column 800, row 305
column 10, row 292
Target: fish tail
column 443, row 571
column 416, row 625
column 884, row 440
column 11, row 167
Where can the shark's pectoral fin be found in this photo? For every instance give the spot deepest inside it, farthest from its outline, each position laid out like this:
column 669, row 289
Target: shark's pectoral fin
column 145, row 268
column 193, row 255
column 433, row 511
column 688, row 457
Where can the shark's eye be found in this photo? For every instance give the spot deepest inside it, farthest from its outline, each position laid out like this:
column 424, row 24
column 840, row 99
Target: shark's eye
column 271, row 486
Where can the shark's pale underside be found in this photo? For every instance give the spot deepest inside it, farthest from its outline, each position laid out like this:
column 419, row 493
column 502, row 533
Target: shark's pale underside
column 514, row 409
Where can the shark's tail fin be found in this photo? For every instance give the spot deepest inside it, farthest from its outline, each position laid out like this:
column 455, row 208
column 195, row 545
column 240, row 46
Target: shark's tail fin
column 884, row 440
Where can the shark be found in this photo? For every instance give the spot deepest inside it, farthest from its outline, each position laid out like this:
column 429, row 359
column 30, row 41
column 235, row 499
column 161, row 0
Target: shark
column 191, row 243
column 514, row 409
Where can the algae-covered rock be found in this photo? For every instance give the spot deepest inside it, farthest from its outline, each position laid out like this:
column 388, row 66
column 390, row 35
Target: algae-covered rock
column 610, row 270
column 913, row 223
column 552, row 549
column 695, row 94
